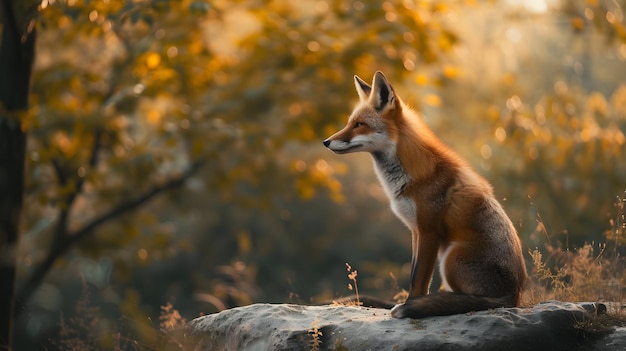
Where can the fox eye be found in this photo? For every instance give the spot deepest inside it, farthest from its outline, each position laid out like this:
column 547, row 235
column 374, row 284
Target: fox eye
column 359, row 124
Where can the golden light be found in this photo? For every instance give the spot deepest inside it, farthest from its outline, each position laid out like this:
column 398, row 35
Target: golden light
column 153, row 60
column 500, row 134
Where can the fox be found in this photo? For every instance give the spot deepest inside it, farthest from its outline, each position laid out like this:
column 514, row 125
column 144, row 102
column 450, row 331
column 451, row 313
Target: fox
column 450, row 209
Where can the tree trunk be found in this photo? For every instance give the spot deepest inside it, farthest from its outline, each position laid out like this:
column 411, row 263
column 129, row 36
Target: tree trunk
column 16, row 58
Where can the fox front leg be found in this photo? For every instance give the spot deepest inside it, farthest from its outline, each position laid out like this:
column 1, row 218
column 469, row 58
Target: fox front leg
column 424, row 257
column 425, row 247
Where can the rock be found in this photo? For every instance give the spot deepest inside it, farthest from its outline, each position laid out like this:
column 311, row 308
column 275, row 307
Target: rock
column 551, row 326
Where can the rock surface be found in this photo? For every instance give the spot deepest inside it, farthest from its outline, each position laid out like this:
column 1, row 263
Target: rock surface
column 547, row 326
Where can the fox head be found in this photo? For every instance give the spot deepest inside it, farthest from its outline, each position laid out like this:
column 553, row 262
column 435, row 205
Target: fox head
column 370, row 126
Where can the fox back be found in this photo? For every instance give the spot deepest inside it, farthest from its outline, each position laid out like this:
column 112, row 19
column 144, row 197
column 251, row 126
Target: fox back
column 449, row 208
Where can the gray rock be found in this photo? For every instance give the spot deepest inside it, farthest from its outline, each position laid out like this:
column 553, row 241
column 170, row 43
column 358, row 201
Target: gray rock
column 551, row 326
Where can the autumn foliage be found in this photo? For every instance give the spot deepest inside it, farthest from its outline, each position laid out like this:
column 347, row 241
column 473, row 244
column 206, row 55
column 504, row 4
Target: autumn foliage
column 174, row 147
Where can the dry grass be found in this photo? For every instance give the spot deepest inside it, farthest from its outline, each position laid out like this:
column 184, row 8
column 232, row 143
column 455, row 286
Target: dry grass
column 591, row 273
column 79, row 332
column 352, row 274
column 316, row 335
column 85, row 331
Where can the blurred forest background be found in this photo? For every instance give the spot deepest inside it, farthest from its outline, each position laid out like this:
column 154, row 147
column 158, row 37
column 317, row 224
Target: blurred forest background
column 174, row 147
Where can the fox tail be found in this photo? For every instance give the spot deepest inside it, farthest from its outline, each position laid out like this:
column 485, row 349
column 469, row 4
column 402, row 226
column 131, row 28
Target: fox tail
column 449, row 303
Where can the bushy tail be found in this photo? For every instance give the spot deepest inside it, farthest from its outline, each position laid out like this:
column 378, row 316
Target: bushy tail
column 449, row 303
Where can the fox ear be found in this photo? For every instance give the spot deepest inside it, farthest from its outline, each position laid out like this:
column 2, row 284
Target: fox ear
column 362, row 88
column 383, row 95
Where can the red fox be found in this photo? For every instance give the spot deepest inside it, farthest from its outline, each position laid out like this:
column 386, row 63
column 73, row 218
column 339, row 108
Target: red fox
column 450, row 209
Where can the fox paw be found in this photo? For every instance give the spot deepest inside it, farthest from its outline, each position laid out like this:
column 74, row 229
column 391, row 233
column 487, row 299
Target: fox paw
column 398, row 311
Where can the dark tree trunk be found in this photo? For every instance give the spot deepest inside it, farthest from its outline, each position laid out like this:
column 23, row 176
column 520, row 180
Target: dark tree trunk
column 16, row 58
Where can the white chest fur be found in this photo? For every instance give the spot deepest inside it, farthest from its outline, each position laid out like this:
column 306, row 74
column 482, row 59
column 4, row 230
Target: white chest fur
column 393, row 178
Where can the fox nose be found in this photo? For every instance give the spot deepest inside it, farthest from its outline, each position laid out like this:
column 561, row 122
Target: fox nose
column 326, row 142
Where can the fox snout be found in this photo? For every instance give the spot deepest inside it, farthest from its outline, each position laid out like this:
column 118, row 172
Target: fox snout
column 333, row 147
column 342, row 147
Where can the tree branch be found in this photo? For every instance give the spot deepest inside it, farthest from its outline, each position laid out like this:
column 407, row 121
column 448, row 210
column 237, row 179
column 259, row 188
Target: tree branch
column 60, row 231
column 40, row 272
column 134, row 203
column 63, row 240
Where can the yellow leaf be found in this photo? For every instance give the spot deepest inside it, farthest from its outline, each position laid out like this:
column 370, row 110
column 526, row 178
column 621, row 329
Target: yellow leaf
column 153, row 60
column 450, row 71
column 441, row 7
column 432, row 100
column 421, row 79
column 153, row 116
column 195, row 47
column 578, row 23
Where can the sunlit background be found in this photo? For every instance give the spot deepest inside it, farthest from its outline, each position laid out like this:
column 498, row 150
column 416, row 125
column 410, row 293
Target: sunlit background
column 175, row 154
